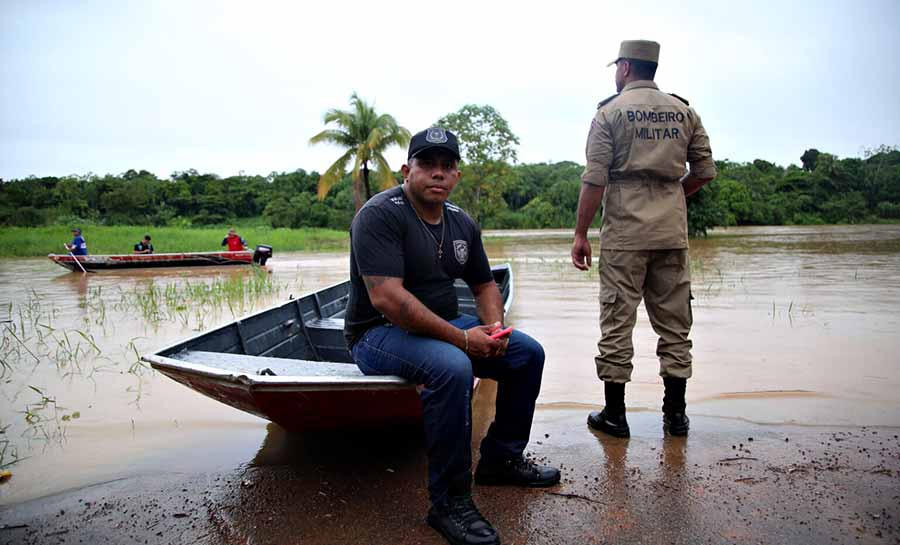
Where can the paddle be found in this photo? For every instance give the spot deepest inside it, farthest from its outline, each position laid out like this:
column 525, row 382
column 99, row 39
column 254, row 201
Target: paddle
column 80, row 266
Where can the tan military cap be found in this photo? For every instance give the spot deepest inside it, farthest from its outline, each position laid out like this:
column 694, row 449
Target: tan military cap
column 642, row 50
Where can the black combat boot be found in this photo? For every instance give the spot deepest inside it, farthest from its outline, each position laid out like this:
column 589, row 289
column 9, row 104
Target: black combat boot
column 612, row 419
column 458, row 520
column 675, row 421
column 518, row 471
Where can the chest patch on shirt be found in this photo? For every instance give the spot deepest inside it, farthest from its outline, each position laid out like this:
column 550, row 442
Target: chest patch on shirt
column 461, row 251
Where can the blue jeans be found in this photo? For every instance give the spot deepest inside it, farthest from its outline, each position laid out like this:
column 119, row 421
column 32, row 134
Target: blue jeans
column 446, row 373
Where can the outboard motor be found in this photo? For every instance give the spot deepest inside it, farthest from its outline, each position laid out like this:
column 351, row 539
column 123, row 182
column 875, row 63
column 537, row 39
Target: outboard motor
column 262, row 254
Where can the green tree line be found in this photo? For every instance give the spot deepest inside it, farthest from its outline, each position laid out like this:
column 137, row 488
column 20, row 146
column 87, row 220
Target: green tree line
column 186, row 198
column 496, row 190
column 824, row 189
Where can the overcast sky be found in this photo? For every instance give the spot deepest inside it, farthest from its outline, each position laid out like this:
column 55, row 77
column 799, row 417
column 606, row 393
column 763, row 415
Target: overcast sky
column 229, row 86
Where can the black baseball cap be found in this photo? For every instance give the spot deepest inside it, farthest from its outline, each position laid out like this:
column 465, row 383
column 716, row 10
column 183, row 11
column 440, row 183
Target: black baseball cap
column 434, row 137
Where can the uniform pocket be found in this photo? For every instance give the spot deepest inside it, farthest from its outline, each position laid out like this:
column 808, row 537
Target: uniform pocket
column 608, row 296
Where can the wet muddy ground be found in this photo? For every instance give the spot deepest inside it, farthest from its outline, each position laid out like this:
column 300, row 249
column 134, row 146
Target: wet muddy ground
column 728, row 482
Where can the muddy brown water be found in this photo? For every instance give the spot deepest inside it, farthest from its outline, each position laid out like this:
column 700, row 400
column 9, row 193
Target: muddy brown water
column 793, row 326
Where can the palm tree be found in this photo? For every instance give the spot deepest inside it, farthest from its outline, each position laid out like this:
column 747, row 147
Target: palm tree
column 365, row 135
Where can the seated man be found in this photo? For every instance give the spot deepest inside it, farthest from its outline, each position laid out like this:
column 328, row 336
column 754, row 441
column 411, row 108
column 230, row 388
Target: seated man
column 408, row 245
column 144, row 246
column 78, row 246
column 234, row 242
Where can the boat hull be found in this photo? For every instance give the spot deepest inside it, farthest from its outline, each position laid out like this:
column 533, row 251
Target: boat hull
column 144, row 261
column 289, row 364
column 301, row 407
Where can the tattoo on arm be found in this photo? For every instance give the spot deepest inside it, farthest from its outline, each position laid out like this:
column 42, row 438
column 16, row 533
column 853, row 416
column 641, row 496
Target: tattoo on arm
column 373, row 282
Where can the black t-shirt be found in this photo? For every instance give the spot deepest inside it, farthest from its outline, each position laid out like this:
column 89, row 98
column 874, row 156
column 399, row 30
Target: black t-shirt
column 388, row 239
column 140, row 247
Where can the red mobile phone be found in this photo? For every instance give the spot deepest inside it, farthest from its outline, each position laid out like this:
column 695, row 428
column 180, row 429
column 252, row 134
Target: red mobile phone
column 500, row 333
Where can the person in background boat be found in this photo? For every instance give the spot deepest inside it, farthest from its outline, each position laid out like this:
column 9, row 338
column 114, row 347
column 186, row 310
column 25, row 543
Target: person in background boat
column 639, row 142
column 144, row 246
column 78, row 246
column 234, row 242
column 408, row 245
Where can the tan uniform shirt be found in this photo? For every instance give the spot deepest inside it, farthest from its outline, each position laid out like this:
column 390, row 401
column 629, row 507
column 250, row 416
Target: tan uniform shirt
column 637, row 147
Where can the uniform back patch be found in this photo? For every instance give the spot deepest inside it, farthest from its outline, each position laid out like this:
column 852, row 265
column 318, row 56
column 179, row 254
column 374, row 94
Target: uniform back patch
column 461, row 251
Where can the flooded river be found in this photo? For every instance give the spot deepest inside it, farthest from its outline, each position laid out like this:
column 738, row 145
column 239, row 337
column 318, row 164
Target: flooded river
column 793, row 325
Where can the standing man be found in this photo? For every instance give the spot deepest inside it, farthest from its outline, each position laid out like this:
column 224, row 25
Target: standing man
column 408, row 245
column 637, row 147
column 144, row 246
column 78, row 246
column 234, row 242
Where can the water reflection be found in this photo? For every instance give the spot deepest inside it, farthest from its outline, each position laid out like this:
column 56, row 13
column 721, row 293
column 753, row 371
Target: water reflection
column 674, row 484
column 619, row 509
column 77, row 283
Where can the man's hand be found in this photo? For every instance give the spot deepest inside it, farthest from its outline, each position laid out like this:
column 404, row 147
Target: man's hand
column 693, row 184
column 581, row 253
column 497, row 326
column 481, row 345
column 589, row 201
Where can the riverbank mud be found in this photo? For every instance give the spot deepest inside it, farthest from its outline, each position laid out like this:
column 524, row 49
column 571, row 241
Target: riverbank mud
column 730, row 481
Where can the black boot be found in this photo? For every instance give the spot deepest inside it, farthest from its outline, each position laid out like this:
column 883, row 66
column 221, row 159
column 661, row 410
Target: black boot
column 675, row 421
column 612, row 419
column 460, row 522
column 518, row 471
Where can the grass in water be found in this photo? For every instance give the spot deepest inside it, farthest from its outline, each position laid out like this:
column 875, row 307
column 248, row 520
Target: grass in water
column 32, row 336
column 186, row 301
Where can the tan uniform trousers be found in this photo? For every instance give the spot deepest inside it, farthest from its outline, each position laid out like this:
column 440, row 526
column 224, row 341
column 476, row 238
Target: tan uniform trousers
column 663, row 279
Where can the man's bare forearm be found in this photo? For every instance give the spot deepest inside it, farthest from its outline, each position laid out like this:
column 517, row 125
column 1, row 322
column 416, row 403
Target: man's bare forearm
column 693, row 183
column 589, row 200
column 488, row 303
column 404, row 310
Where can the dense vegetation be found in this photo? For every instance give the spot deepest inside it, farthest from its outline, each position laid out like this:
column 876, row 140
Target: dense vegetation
column 824, row 190
column 185, row 199
column 495, row 190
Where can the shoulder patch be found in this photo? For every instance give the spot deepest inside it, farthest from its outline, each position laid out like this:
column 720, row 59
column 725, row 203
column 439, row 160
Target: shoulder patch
column 398, row 200
column 686, row 103
column 605, row 101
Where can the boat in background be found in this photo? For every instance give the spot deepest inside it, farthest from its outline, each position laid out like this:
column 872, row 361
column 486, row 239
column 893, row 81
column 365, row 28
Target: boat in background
column 141, row 261
column 289, row 364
